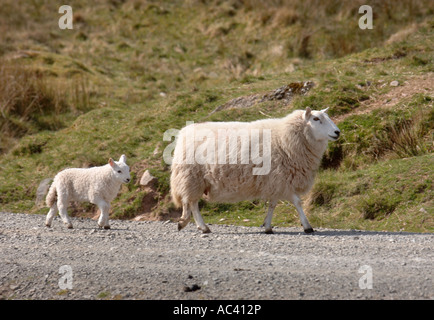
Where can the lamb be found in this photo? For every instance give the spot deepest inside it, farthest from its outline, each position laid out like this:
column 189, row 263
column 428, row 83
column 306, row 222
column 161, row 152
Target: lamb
column 294, row 145
column 97, row 185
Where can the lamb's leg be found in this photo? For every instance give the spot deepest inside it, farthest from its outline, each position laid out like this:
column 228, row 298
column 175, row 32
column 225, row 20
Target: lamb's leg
column 297, row 203
column 267, row 221
column 185, row 218
column 104, row 207
column 51, row 214
column 198, row 218
column 64, row 213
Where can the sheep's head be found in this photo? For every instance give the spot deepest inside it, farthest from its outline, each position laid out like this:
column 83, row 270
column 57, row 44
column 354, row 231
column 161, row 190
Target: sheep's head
column 120, row 169
column 322, row 127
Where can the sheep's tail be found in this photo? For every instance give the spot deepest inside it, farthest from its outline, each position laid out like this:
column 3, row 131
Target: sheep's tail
column 51, row 196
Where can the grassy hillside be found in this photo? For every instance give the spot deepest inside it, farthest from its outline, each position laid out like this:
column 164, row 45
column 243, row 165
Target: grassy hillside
column 130, row 70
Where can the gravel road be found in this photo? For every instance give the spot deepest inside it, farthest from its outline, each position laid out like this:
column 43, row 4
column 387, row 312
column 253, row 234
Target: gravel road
column 152, row 260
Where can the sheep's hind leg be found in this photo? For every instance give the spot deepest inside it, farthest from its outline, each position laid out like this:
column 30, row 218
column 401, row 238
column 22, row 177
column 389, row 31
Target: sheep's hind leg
column 185, row 218
column 297, row 203
column 51, row 214
column 64, row 215
column 198, row 218
column 267, row 222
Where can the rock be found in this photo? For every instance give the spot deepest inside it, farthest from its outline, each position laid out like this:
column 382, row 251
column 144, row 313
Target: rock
column 213, row 75
column 147, row 179
column 156, row 150
column 42, row 191
column 394, row 83
column 284, row 93
column 194, row 287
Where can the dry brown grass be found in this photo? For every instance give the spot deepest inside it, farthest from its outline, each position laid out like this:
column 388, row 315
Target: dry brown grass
column 405, row 137
column 25, row 94
column 31, row 101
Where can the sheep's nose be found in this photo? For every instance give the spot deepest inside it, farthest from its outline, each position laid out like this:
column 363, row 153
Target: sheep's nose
column 128, row 179
column 337, row 132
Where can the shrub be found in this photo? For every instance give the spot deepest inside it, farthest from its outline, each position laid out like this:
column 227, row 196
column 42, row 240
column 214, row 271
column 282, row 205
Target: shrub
column 25, row 96
column 404, row 137
column 322, row 194
column 30, row 102
column 377, row 206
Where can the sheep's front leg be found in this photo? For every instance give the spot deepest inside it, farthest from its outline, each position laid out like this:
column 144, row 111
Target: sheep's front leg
column 297, row 203
column 104, row 207
column 198, row 218
column 267, row 222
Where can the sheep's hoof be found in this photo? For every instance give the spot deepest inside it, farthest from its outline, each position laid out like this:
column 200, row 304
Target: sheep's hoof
column 106, row 227
column 310, row 230
column 270, row 231
column 182, row 223
column 69, row 226
column 48, row 225
column 206, row 230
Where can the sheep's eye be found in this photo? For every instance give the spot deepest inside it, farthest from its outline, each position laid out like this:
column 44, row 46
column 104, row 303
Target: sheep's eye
column 119, row 171
column 315, row 119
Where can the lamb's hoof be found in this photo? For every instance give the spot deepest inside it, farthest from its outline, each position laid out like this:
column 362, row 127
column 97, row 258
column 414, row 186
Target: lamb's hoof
column 180, row 226
column 69, row 226
column 310, row 230
column 48, row 225
column 270, row 231
column 107, row 227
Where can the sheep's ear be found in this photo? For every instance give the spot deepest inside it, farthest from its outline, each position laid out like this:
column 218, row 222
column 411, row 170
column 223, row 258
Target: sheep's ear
column 111, row 163
column 123, row 159
column 325, row 110
column 307, row 113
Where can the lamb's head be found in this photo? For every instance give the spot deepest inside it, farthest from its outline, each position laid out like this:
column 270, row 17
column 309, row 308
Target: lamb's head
column 320, row 125
column 120, row 169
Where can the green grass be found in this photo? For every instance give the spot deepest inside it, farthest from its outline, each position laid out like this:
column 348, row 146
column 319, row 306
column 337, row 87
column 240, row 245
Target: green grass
column 394, row 195
column 129, row 71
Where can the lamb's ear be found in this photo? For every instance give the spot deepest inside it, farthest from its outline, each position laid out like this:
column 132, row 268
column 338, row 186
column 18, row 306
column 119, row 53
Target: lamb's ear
column 307, row 113
column 325, row 110
column 112, row 163
column 123, row 159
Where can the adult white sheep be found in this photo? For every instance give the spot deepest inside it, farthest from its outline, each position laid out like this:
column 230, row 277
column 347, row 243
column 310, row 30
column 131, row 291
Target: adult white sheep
column 296, row 145
column 97, row 185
